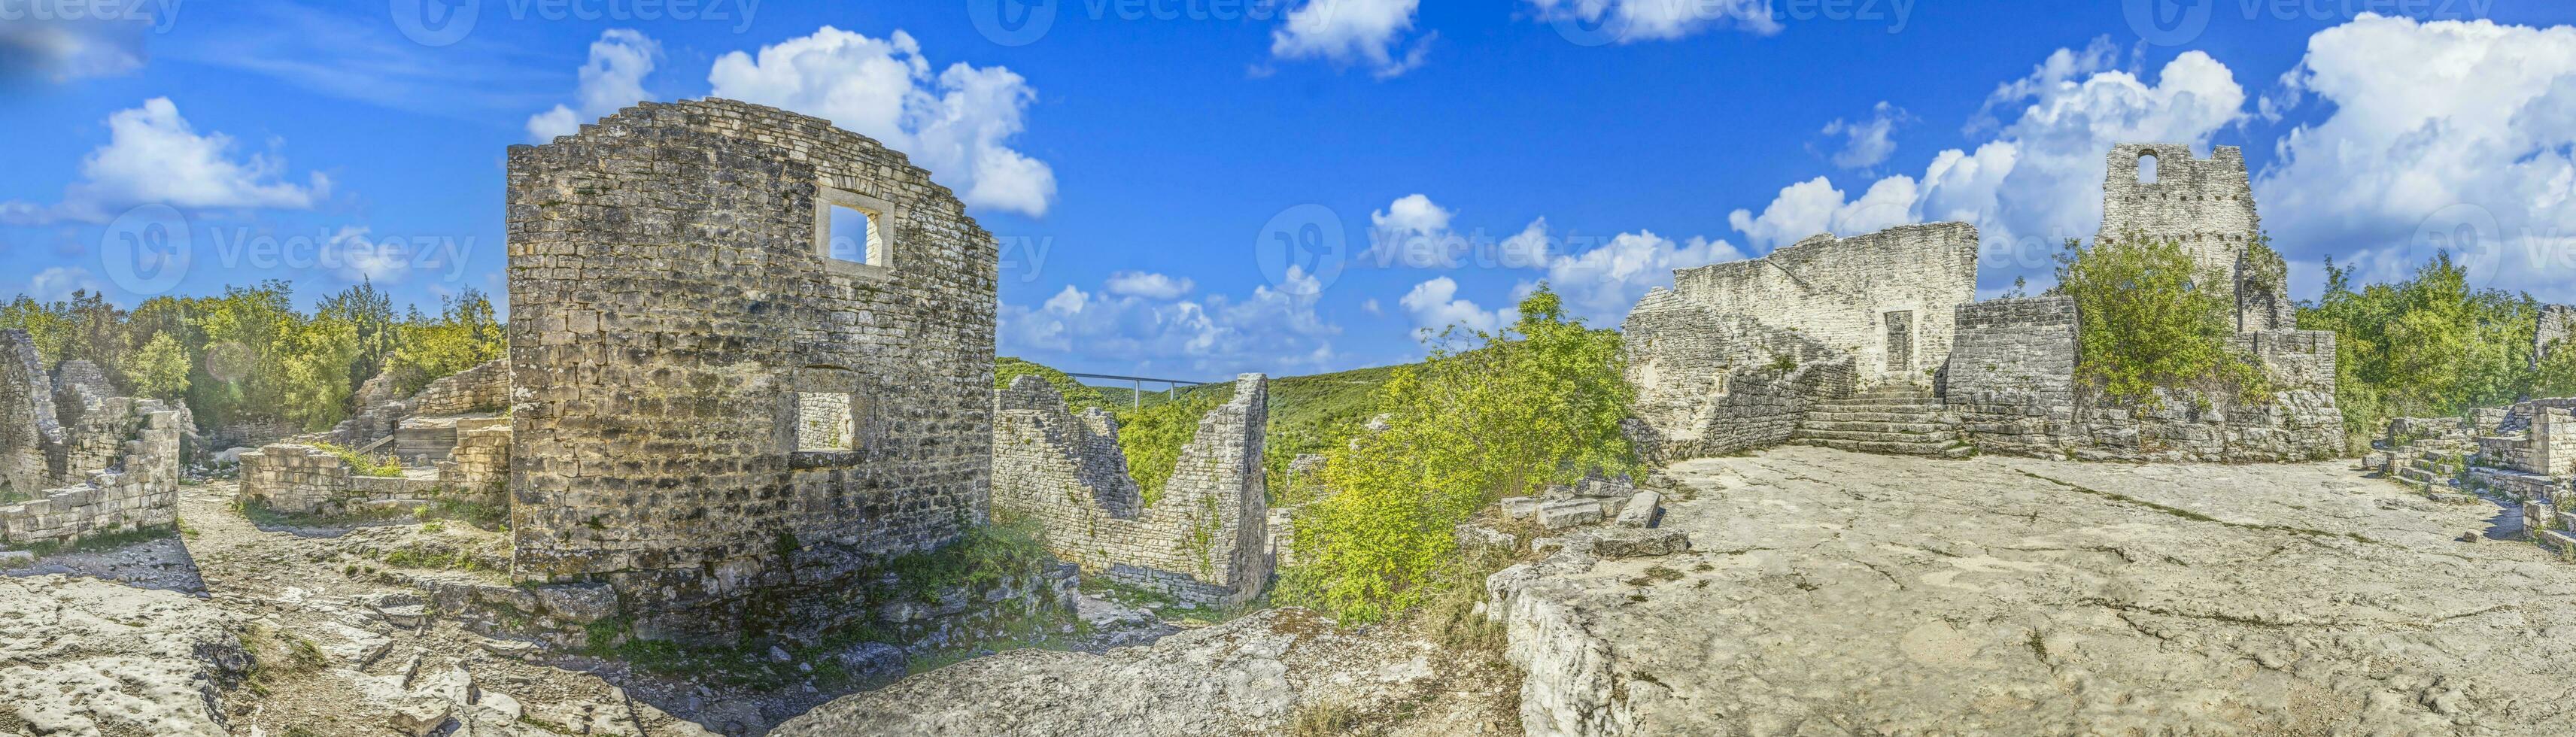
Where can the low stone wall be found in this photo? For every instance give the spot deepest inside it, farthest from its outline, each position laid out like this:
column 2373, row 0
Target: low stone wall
column 1204, row 542
column 1760, row 408
column 141, row 490
column 302, row 479
column 2011, row 382
column 481, row 459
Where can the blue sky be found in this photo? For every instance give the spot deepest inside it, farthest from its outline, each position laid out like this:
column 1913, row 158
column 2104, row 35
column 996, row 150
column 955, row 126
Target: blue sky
column 1141, row 161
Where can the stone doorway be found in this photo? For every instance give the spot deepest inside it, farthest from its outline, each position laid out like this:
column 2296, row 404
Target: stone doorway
column 1900, row 343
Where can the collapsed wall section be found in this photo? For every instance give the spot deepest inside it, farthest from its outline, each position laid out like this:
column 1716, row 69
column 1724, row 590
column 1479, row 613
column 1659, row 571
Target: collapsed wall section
column 75, row 462
column 1710, row 383
column 381, row 410
column 677, row 297
column 1204, row 542
column 1885, row 298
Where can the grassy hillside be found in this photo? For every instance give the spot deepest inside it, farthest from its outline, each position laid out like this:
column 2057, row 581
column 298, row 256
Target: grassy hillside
column 1308, row 414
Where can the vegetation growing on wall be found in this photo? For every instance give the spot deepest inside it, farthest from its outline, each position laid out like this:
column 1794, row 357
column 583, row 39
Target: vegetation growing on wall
column 1488, row 416
column 2150, row 324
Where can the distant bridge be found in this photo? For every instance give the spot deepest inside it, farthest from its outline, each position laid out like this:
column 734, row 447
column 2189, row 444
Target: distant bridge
column 1136, row 396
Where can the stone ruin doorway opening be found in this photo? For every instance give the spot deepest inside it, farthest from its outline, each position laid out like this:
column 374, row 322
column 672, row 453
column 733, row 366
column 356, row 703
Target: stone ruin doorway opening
column 1900, row 343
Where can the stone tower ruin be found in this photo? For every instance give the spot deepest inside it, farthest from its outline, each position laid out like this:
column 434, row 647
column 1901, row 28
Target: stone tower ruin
column 751, row 357
column 2207, row 207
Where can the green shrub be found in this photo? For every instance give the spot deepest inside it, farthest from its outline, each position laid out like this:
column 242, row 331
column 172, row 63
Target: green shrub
column 2429, row 346
column 1536, row 404
column 2150, row 323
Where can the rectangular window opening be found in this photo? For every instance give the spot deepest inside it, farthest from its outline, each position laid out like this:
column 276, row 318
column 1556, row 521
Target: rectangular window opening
column 826, row 421
column 852, row 235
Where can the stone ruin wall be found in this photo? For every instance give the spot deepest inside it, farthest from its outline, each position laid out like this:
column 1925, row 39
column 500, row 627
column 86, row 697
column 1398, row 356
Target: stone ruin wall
column 1205, row 542
column 2011, row 379
column 669, row 303
column 482, row 388
column 76, row 462
column 1840, row 291
column 1710, row 384
column 2012, row 384
column 2556, row 322
column 302, row 479
column 2207, row 206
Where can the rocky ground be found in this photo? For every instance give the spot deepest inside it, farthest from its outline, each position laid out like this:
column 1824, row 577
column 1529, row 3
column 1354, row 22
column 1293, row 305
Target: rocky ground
column 1270, row 672
column 1822, row 593
column 1830, row 593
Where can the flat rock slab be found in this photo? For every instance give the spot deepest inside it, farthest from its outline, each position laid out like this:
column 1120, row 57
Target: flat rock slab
column 1838, row 593
column 86, row 657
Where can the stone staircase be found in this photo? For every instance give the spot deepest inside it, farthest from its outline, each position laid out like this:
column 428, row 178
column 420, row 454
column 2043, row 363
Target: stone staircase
column 1900, row 420
column 2431, row 468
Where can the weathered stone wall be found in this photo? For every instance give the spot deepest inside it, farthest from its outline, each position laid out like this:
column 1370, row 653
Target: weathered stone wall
column 668, row 302
column 2537, row 437
column 481, row 460
column 29, row 429
column 483, row 388
column 2011, row 378
column 2012, row 384
column 2207, row 206
column 2556, row 322
column 1710, row 383
column 302, row 479
column 139, row 490
column 1844, row 293
column 1206, row 541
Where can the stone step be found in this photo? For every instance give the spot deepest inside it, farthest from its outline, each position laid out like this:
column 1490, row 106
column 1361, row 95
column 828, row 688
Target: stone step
column 1875, row 425
column 1945, row 450
column 1900, row 417
column 1873, row 436
column 1881, row 402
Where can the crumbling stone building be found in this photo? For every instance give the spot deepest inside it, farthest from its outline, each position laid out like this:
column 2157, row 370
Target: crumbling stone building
column 75, row 460
column 751, row 354
column 1204, row 542
column 2160, row 192
column 1874, row 343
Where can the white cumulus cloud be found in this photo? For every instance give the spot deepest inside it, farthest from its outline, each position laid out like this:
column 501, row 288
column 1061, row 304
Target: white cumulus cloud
column 1149, row 285
column 2457, row 135
column 57, row 283
column 1867, row 142
column 956, row 122
column 1272, row 330
column 1630, row 21
column 154, row 156
column 1372, row 33
column 612, row 79
column 1435, row 307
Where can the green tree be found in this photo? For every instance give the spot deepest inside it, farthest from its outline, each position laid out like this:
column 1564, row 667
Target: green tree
column 371, row 315
column 1537, row 403
column 2430, row 345
column 463, row 335
column 159, row 370
column 48, row 326
column 2150, row 324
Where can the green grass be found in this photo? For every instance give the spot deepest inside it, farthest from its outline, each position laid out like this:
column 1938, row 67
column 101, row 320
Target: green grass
column 362, row 465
